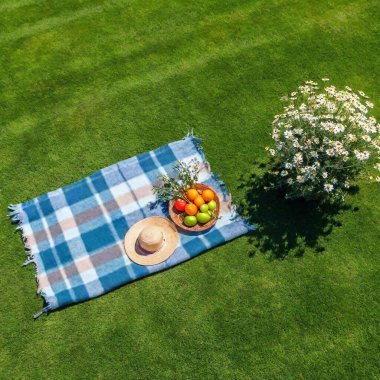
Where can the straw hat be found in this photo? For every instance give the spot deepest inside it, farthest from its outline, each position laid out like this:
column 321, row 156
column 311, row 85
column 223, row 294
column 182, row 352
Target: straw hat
column 151, row 241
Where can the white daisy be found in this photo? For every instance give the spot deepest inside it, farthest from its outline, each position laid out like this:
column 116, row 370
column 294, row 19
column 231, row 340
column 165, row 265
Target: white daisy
column 361, row 156
column 300, row 179
column 298, row 158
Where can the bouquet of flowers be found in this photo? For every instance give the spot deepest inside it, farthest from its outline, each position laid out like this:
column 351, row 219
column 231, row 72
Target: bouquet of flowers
column 324, row 139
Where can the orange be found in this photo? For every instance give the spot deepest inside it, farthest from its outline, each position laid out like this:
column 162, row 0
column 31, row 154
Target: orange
column 191, row 209
column 199, row 201
column 208, row 195
column 191, row 194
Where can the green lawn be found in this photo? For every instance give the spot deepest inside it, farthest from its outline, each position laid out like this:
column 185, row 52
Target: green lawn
column 84, row 84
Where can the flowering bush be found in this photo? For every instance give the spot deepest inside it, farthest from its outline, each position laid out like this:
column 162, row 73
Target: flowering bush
column 323, row 141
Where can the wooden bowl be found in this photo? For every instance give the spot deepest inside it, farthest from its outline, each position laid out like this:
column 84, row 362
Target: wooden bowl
column 177, row 216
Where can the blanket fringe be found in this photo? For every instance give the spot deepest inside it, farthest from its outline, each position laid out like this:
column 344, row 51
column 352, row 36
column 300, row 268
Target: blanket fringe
column 44, row 310
column 16, row 214
column 198, row 144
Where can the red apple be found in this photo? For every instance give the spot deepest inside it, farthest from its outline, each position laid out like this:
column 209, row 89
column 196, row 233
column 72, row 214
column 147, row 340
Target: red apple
column 180, row 205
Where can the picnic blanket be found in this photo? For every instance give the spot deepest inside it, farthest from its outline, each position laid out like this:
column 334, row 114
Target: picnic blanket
column 74, row 235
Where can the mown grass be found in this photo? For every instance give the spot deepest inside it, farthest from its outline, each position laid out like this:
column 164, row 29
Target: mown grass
column 87, row 83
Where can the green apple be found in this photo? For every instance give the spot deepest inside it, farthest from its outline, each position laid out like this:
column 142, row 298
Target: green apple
column 203, row 208
column 203, row 218
column 190, row 220
column 211, row 205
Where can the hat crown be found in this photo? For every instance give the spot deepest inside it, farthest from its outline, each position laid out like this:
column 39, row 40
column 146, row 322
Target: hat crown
column 151, row 238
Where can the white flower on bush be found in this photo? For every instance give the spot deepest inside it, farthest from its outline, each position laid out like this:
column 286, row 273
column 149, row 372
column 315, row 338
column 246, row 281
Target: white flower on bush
column 300, row 179
column 366, row 138
column 361, row 156
column 326, row 137
column 298, row 158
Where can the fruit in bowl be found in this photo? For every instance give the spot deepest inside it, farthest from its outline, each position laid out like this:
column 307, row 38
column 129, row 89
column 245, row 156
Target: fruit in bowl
column 190, row 220
column 180, row 205
column 203, row 217
column 193, row 206
column 198, row 216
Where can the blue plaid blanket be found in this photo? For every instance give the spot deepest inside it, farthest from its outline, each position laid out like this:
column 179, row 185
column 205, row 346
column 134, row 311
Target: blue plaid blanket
column 74, row 235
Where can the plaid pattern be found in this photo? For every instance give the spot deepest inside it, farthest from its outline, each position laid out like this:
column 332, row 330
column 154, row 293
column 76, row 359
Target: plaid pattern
column 75, row 234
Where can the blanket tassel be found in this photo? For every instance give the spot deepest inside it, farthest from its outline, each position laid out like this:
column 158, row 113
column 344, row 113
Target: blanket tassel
column 27, row 262
column 44, row 310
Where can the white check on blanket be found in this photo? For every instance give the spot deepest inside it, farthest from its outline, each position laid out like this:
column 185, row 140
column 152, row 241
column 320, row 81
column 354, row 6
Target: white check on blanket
column 74, row 235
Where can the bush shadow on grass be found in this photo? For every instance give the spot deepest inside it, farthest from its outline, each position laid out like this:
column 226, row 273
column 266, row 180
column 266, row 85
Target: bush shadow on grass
column 286, row 227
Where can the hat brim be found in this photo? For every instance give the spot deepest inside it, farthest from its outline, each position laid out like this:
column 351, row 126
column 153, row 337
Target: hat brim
column 140, row 257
